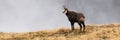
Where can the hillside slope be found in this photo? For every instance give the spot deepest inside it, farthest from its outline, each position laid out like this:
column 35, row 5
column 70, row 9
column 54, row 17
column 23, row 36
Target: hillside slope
column 93, row 32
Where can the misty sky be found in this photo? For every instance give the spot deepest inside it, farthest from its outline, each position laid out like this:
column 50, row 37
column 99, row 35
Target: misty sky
column 32, row 15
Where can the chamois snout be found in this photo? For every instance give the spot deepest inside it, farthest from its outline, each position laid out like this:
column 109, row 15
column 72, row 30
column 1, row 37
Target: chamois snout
column 64, row 11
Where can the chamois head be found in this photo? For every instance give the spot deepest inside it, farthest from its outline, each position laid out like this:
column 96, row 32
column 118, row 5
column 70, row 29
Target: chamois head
column 65, row 9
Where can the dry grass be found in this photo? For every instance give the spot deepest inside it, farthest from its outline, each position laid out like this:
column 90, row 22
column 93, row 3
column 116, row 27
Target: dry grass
column 93, row 32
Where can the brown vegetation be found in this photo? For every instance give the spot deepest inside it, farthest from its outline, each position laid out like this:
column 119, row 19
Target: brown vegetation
column 93, row 32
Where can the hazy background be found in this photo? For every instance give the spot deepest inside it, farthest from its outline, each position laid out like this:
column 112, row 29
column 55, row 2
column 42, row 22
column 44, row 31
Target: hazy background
column 32, row 15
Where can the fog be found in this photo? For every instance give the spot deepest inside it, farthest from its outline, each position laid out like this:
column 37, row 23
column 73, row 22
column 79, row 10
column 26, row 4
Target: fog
column 33, row 15
column 97, row 11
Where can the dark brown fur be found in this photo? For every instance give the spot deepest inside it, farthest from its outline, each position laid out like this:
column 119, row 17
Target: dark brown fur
column 75, row 17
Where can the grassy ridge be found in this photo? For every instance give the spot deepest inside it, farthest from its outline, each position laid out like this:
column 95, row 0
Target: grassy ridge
column 93, row 32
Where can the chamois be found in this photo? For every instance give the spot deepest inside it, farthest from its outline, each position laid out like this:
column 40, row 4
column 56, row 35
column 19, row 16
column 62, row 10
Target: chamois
column 75, row 17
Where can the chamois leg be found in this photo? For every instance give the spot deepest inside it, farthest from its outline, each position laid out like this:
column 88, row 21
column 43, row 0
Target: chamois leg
column 83, row 26
column 80, row 26
column 72, row 26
